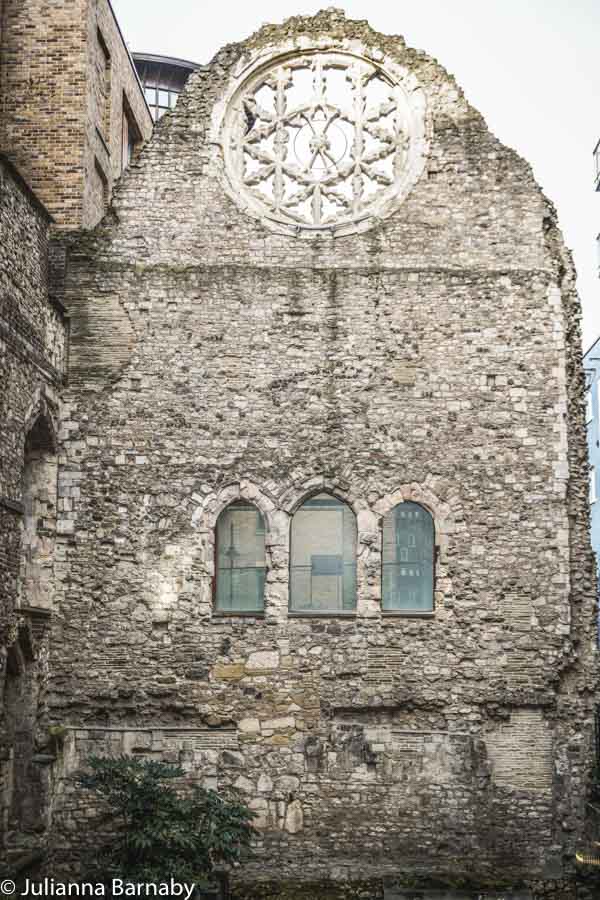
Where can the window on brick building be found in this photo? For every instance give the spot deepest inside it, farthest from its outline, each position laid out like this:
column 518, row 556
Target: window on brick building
column 408, row 559
column 131, row 136
column 240, row 559
column 101, row 189
column 323, row 557
column 104, row 84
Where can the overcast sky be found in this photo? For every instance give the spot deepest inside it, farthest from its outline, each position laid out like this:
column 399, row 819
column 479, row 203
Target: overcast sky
column 532, row 67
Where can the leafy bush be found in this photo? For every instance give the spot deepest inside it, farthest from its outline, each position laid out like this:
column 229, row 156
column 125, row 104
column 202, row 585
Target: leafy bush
column 160, row 831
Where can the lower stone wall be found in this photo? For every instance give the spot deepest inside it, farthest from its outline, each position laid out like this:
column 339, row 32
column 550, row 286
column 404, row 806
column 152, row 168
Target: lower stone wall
column 345, row 801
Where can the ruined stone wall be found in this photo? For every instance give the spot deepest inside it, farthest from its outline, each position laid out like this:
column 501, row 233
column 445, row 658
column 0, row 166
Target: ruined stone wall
column 52, row 123
column 434, row 358
column 32, row 367
column 33, row 343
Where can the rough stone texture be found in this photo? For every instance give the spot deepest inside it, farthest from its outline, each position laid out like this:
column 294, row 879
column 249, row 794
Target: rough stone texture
column 32, row 342
column 32, row 367
column 433, row 358
column 59, row 124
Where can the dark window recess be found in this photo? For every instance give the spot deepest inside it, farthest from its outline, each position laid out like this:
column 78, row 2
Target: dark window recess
column 104, row 81
column 104, row 186
column 131, row 137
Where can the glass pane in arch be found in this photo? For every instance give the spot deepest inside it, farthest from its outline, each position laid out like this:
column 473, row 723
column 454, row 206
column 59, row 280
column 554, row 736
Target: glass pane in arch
column 408, row 557
column 323, row 556
column 240, row 559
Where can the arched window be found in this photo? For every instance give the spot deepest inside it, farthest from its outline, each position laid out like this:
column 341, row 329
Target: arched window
column 408, row 559
column 240, row 559
column 323, row 556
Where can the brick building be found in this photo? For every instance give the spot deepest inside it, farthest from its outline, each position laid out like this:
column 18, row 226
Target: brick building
column 72, row 110
column 322, row 526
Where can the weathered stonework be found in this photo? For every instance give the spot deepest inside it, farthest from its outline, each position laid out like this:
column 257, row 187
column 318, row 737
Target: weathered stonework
column 320, row 137
column 432, row 358
column 32, row 368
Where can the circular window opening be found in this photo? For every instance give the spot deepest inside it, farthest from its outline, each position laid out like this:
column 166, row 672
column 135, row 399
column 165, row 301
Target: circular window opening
column 322, row 140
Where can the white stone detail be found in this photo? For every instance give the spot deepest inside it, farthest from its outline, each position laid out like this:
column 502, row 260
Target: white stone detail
column 249, row 726
column 262, row 660
column 324, row 138
column 294, row 817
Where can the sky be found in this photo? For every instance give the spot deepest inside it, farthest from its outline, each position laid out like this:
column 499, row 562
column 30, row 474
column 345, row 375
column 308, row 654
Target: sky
column 531, row 67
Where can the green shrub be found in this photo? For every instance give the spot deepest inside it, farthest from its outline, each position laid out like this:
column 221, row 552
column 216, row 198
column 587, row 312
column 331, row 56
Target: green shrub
column 159, row 830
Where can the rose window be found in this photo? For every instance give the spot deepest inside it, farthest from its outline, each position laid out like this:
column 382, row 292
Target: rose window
column 321, row 140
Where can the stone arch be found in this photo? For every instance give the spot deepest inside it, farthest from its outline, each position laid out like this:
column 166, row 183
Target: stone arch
column 323, row 555
column 214, row 503
column 39, row 499
column 443, row 523
column 22, row 801
column 440, row 510
column 41, row 415
column 240, row 559
column 366, row 538
column 276, row 529
column 297, row 494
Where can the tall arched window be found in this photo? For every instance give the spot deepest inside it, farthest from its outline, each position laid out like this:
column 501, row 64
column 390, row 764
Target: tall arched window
column 323, row 556
column 240, row 559
column 408, row 559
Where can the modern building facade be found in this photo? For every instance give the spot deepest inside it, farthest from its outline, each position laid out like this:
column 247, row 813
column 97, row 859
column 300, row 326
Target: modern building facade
column 321, row 526
column 163, row 79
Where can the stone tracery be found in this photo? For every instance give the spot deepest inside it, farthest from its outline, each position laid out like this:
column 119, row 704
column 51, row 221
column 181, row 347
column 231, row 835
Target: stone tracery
column 320, row 139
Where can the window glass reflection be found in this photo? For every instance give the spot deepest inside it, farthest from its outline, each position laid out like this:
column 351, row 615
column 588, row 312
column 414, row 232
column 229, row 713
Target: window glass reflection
column 241, row 567
column 408, row 558
column 323, row 556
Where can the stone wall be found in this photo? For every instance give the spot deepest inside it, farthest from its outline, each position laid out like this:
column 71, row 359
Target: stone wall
column 32, row 367
column 51, row 123
column 33, row 332
column 433, row 358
